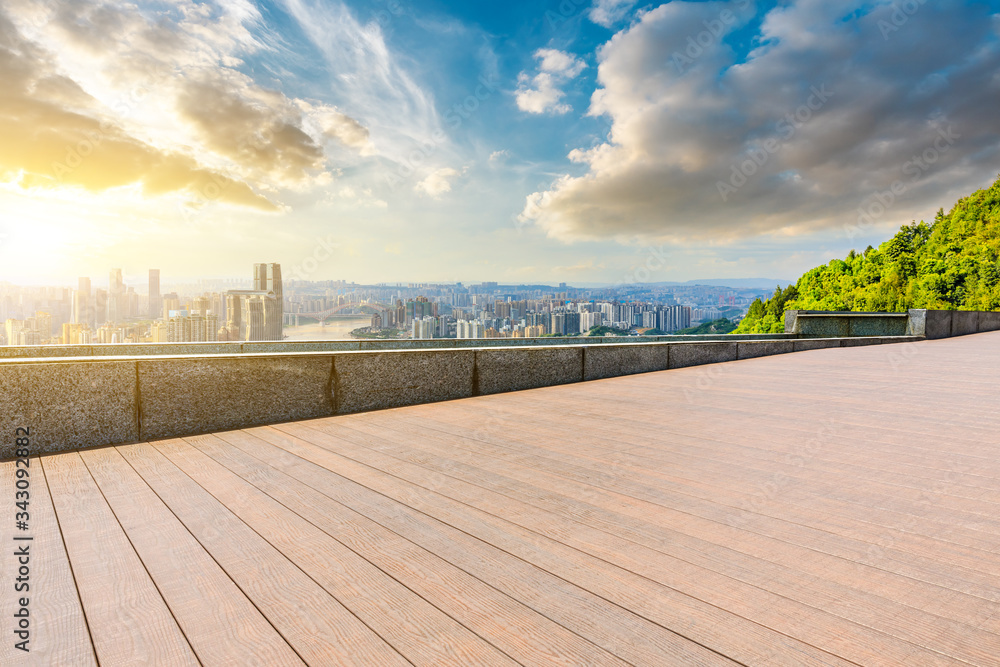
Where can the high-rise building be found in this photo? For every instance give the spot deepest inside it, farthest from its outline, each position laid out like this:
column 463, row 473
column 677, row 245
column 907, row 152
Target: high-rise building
column 83, row 305
column 155, row 302
column 267, row 280
column 470, row 329
column 424, row 327
column 71, row 333
column 159, row 332
column 43, row 324
column 117, row 304
column 201, row 305
column 131, row 299
column 254, row 316
column 572, row 324
column 100, row 307
column 170, row 301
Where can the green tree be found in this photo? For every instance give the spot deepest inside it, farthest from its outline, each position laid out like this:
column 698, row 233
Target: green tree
column 953, row 264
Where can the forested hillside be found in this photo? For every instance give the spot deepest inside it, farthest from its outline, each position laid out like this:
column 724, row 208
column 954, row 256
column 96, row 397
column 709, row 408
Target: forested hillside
column 951, row 264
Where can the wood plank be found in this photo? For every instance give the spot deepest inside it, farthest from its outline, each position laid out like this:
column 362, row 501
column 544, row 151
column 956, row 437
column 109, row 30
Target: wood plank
column 417, row 629
column 312, row 621
column 129, row 621
column 675, row 483
column 807, row 579
column 523, row 634
column 221, row 624
column 59, row 634
column 733, row 635
column 728, row 592
column 692, row 470
column 647, row 483
column 607, row 625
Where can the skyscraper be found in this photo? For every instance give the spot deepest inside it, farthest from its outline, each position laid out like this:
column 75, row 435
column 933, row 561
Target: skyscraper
column 257, row 314
column 234, row 316
column 267, row 278
column 154, row 294
column 116, row 297
column 83, row 307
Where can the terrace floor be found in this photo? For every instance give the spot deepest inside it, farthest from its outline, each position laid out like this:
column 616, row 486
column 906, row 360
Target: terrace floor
column 830, row 507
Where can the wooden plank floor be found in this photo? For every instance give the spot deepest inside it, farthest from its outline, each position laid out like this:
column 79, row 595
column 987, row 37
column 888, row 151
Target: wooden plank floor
column 833, row 507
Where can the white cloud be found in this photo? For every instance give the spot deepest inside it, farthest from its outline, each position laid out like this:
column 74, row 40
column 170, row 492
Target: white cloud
column 609, row 12
column 372, row 80
column 437, row 182
column 542, row 93
column 817, row 120
column 559, row 62
column 499, row 156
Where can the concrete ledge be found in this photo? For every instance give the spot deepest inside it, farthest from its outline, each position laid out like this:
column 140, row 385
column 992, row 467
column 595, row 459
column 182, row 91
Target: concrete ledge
column 232, row 348
column 683, row 355
column 891, row 340
column 989, row 321
column 68, row 405
column 763, row 348
column 964, row 322
column 202, row 394
column 44, row 351
column 893, row 324
column 514, row 369
column 842, row 324
column 297, row 346
column 613, row 360
column 815, row 344
column 376, row 380
column 861, row 341
column 931, row 324
column 130, row 349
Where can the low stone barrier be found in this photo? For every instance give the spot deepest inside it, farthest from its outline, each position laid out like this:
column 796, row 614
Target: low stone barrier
column 74, row 403
column 930, row 324
column 159, row 349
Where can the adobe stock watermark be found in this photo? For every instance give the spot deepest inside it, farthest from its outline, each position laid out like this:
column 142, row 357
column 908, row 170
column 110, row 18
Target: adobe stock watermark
column 383, row 17
column 77, row 153
column 879, row 203
column 455, row 116
column 899, row 16
column 743, row 170
column 566, row 10
column 322, row 253
column 216, row 184
column 801, row 455
column 927, row 498
column 902, row 354
column 698, row 44
column 656, row 260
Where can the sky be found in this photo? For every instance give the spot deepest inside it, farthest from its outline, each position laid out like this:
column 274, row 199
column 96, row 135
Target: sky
column 576, row 141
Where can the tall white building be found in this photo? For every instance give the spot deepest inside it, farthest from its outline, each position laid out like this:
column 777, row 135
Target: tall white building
column 424, row 327
column 470, row 329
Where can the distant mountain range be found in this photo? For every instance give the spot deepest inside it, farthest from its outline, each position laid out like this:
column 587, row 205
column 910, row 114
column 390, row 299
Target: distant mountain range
column 740, row 283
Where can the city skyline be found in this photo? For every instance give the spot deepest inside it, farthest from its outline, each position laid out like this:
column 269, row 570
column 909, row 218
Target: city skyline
column 441, row 142
column 219, row 312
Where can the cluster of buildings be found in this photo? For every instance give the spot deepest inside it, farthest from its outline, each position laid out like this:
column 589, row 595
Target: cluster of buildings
column 534, row 318
column 119, row 314
column 264, row 307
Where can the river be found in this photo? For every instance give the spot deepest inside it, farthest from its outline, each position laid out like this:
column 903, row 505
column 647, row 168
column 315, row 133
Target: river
column 335, row 329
